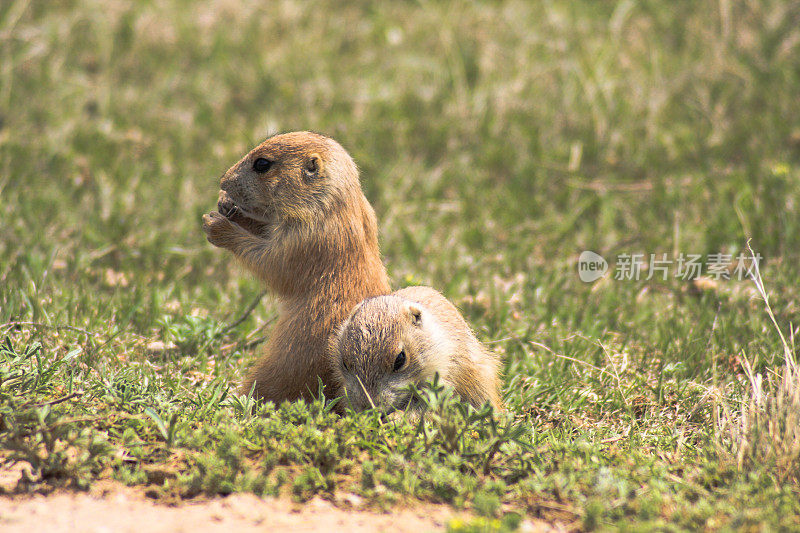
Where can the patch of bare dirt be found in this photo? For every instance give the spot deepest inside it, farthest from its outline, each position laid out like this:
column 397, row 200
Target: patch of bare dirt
column 113, row 508
column 126, row 511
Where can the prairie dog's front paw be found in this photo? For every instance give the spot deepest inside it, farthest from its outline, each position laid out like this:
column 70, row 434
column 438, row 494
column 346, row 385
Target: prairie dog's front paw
column 219, row 230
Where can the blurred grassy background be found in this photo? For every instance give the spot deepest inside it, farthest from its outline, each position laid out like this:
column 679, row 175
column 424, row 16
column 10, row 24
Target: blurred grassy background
column 497, row 140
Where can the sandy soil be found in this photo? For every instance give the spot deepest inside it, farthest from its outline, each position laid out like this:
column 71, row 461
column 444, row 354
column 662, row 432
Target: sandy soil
column 124, row 510
column 113, row 508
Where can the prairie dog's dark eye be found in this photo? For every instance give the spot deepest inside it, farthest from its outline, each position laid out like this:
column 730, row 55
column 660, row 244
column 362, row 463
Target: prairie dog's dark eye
column 344, row 365
column 399, row 361
column 262, row 165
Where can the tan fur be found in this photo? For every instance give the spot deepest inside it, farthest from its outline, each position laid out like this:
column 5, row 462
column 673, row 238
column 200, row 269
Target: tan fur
column 308, row 232
column 434, row 337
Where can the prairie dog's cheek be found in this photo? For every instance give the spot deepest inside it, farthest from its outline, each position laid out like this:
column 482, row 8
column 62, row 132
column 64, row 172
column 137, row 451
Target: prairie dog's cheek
column 396, row 396
column 393, row 390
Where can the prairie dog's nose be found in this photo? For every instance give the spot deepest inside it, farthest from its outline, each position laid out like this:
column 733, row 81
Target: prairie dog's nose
column 225, row 205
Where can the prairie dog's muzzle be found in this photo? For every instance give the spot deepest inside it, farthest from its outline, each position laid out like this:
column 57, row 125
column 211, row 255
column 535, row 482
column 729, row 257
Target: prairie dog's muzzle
column 226, row 206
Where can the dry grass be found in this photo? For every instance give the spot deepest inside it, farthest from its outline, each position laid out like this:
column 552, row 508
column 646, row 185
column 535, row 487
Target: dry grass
column 765, row 429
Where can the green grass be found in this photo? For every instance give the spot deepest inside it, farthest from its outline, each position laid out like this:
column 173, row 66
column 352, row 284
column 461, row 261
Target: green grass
column 497, row 140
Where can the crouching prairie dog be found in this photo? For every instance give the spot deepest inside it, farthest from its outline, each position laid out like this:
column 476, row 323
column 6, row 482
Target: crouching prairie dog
column 405, row 338
column 292, row 211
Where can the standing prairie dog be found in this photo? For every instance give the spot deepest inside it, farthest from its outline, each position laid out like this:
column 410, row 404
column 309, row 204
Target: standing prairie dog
column 405, row 338
column 292, row 211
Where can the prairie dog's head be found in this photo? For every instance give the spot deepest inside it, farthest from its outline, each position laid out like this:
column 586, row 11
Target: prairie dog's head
column 294, row 177
column 386, row 344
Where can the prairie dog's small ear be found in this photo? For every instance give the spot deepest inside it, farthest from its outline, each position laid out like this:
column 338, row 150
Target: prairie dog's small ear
column 416, row 314
column 313, row 165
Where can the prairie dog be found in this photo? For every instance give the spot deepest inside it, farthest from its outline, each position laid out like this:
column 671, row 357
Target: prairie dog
column 292, row 211
column 392, row 341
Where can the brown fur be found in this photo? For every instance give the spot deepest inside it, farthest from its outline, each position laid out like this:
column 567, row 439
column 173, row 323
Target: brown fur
column 434, row 337
column 308, row 232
